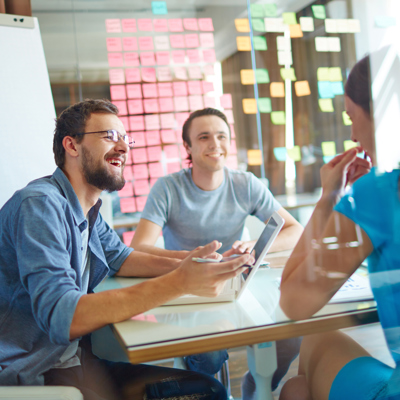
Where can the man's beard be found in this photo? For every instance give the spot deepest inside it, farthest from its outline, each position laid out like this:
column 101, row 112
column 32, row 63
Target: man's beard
column 99, row 176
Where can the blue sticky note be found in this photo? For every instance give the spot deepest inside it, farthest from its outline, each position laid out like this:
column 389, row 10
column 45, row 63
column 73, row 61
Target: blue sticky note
column 159, row 7
column 325, row 90
column 383, row 21
column 327, row 159
column 280, row 153
column 337, row 88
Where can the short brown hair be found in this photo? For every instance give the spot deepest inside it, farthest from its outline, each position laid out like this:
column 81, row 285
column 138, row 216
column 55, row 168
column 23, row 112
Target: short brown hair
column 197, row 114
column 73, row 120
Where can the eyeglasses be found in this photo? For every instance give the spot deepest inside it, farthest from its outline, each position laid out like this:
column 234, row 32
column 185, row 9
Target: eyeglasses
column 113, row 135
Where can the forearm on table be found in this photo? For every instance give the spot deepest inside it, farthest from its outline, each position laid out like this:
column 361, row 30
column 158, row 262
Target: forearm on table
column 157, row 251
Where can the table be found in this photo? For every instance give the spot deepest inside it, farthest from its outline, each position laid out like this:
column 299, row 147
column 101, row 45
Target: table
column 256, row 321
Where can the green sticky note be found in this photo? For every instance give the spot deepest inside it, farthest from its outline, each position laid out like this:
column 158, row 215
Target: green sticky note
column 289, row 18
column 319, row 11
column 278, row 117
column 257, row 11
column 270, row 10
column 280, row 153
column 258, row 25
column 294, row 153
column 264, row 105
column 260, row 43
column 346, row 120
column 326, row 105
column 262, row 75
column 335, row 75
column 159, row 7
column 349, row 144
column 328, row 148
column 323, row 74
column 288, row 73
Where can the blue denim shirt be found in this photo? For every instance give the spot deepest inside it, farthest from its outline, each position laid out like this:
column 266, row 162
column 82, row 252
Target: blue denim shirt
column 40, row 280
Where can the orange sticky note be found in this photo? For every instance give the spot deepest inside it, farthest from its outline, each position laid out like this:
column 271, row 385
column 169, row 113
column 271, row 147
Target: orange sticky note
column 254, row 157
column 249, row 106
column 302, row 88
column 242, row 25
column 152, row 138
column 277, row 89
column 247, row 77
column 243, row 43
column 166, row 104
column 295, row 31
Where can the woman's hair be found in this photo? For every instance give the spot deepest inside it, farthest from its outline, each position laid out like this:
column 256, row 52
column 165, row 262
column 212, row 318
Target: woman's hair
column 358, row 85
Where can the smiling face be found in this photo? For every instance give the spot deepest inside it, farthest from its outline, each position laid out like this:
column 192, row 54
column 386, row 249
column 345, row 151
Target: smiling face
column 210, row 142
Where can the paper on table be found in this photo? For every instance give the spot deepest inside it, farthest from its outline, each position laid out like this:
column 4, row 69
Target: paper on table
column 161, row 42
column 295, row 31
column 149, row 90
column 145, row 25
column 167, row 120
column 242, row 25
column 156, row 170
column 168, row 136
column 328, row 148
column 206, row 40
column 117, row 92
column 181, row 103
column 166, row 104
column 147, row 58
column 307, row 24
column 190, row 24
column 175, row 25
column 277, row 89
column 278, row 117
column 193, row 56
column 178, row 56
column 264, row 105
column 192, row 40
column 326, row 105
column 294, row 153
column 194, row 87
column 356, row 288
column 177, row 41
column 249, row 106
column 152, row 122
column 226, row 100
column 164, row 74
column 160, row 25
column 195, row 72
column 135, row 106
column 140, row 171
column 262, row 75
column 129, row 25
column 159, row 7
column 180, row 88
column 209, row 56
column 206, row 24
column 146, row 43
column 150, row 106
column 165, row 89
column 162, row 57
column 136, row 123
column 288, row 73
column 129, row 43
column 114, row 44
column 302, row 88
column 113, row 25
column 139, row 156
column 148, row 74
column 154, row 153
column 152, row 138
column 243, row 43
column 115, row 60
column 121, row 105
column 116, row 76
column 141, row 186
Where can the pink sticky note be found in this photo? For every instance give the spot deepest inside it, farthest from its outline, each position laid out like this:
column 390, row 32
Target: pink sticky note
column 141, row 186
column 162, row 57
column 156, row 170
column 132, row 75
column 195, row 87
column 209, row 102
column 138, row 137
column 113, row 25
column 175, row 25
column 195, row 72
column 209, row 70
column 136, row 123
column 233, row 149
column 207, row 40
column 161, row 42
column 226, row 100
column 154, row 153
column 134, row 91
column 152, row 122
column 125, row 122
column 128, row 175
column 139, row 156
column 145, row 25
column 148, row 74
column 167, row 121
column 121, row 105
column 229, row 116
column 171, row 151
column 168, row 136
column 129, row 43
column 114, row 44
column 178, row 56
column 128, row 235
column 166, row 104
column 193, row 56
column 115, row 60
column 135, row 107
column 152, row 181
column 117, row 92
column 190, row 24
column 232, row 131
column 183, row 152
column 180, row 73
column 179, row 136
column 181, row 118
column 165, row 89
column 128, row 206
column 208, row 86
column 173, row 167
column 152, row 138
column 192, row 40
column 146, row 43
column 150, row 106
column 147, row 58
column 140, row 171
column 196, row 103
column 209, row 55
column 140, row 203
column 180, row 88
column 149, row 90
column 232, row 162
column 129, row 25
column 177, row 41
column 131, row 59
column 116, row 76
column 206, row 24
column 181, row 103
column 160, row 25
column 164, row 74
column 126, row 191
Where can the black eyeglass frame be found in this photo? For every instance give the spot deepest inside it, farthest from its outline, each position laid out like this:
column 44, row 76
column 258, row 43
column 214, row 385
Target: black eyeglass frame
column 113, row 135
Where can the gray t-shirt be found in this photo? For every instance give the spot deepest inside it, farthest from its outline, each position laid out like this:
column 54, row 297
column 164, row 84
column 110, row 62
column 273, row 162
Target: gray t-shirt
column 192, row 217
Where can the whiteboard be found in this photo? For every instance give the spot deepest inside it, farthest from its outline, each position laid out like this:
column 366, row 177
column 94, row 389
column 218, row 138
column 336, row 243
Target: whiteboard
column 26, row 106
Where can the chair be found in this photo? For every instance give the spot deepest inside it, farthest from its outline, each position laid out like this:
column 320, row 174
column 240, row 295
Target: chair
column 40, row 392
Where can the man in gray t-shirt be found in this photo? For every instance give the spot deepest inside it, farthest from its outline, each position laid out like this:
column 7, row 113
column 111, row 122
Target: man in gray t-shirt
column 207, row 202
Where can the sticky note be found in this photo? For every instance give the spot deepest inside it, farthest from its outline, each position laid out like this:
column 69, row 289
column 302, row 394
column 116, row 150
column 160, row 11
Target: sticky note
column 116, row 76
column 337, row 88
column 256, row 10
column 254, row 157
column 289, row 18
column 294, row 153
column 152, row 122
column 328, row 148
column 166, row 104
column 175, row 25
column 258, row 24
column 129, row 43
column 283, row 43
column 321, row 44
column 302, row 88
column 138, row 137
column 243, row 43
column 264, row 105
column 161, row 42
column 167, row 120
column 194, row 87
column 181, row 118
column 353, row 25
column 146, row 43
column 177, row 41
column 168, row 136
column 147, row 58
column 113, row 25
column 206, row 40
column 152, row 138
column 131, row 59
column 135, row 106
column 117, row 92
column 125, row 122
column 249, row 106
column 260, row 43
column 148, row 74
column 206, row 24
column 274, row 25
column 331, row 25
column 156, row 170
column 285, row 58
column 162, row 57
column 134, row 91
column 114, row 44
column 193, row 56
column 334, row 44
column 335, row 74
column 229, row 116
column 150, row 106
column 242, row 25
column 128, row 170
column 178, row 56
column 127, row 205
column 326, row 105
column 180, row 73
column 171, row 151
column 383, row 21
column 295, row 31
column 209, row 56
column 226, row 100
column 173, row 167
column 140, row 171
column 209, row 101
column 209, row 70
column 140, row 203
column 278, row 117
column 307, row 24
column 136, row 123
column 346, row 119
column 164, row 74
column 325, row 90
column 192, row 40
column 207, row 86
column 181, row 103
column 154, row 153
column 195, row 72
column 323, row 74
column 288, row 73
column 261, row 75
column 280, row 153
column 190, row 24
column 115, row 60
column 180, row 88
column 149, row 90
column 349, row 144
column 141, row 186
column 319, row 11
column 165, row 89
column 145, row 24
column 270, row 10
column 121, row 105
column 159, row 7
column 129, row 25
column 277, row 89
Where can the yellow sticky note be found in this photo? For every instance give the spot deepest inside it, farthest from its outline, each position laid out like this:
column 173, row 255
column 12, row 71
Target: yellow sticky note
column 249, row 106
column 328, row 148
column 288, row 73
column 335, row 74
column 277, row 89
column 326, row 105
column 243, row 43
column 247, row 77
column 254, row 157
column 295, row 31
column 278, row 117
column 242, row 25
column 294, row 153
column 302, row 88
column 349, row 144
column 346, row 119
column 323, row 74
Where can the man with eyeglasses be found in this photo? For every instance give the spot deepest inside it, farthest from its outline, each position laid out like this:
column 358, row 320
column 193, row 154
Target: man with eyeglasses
column 55, row 248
